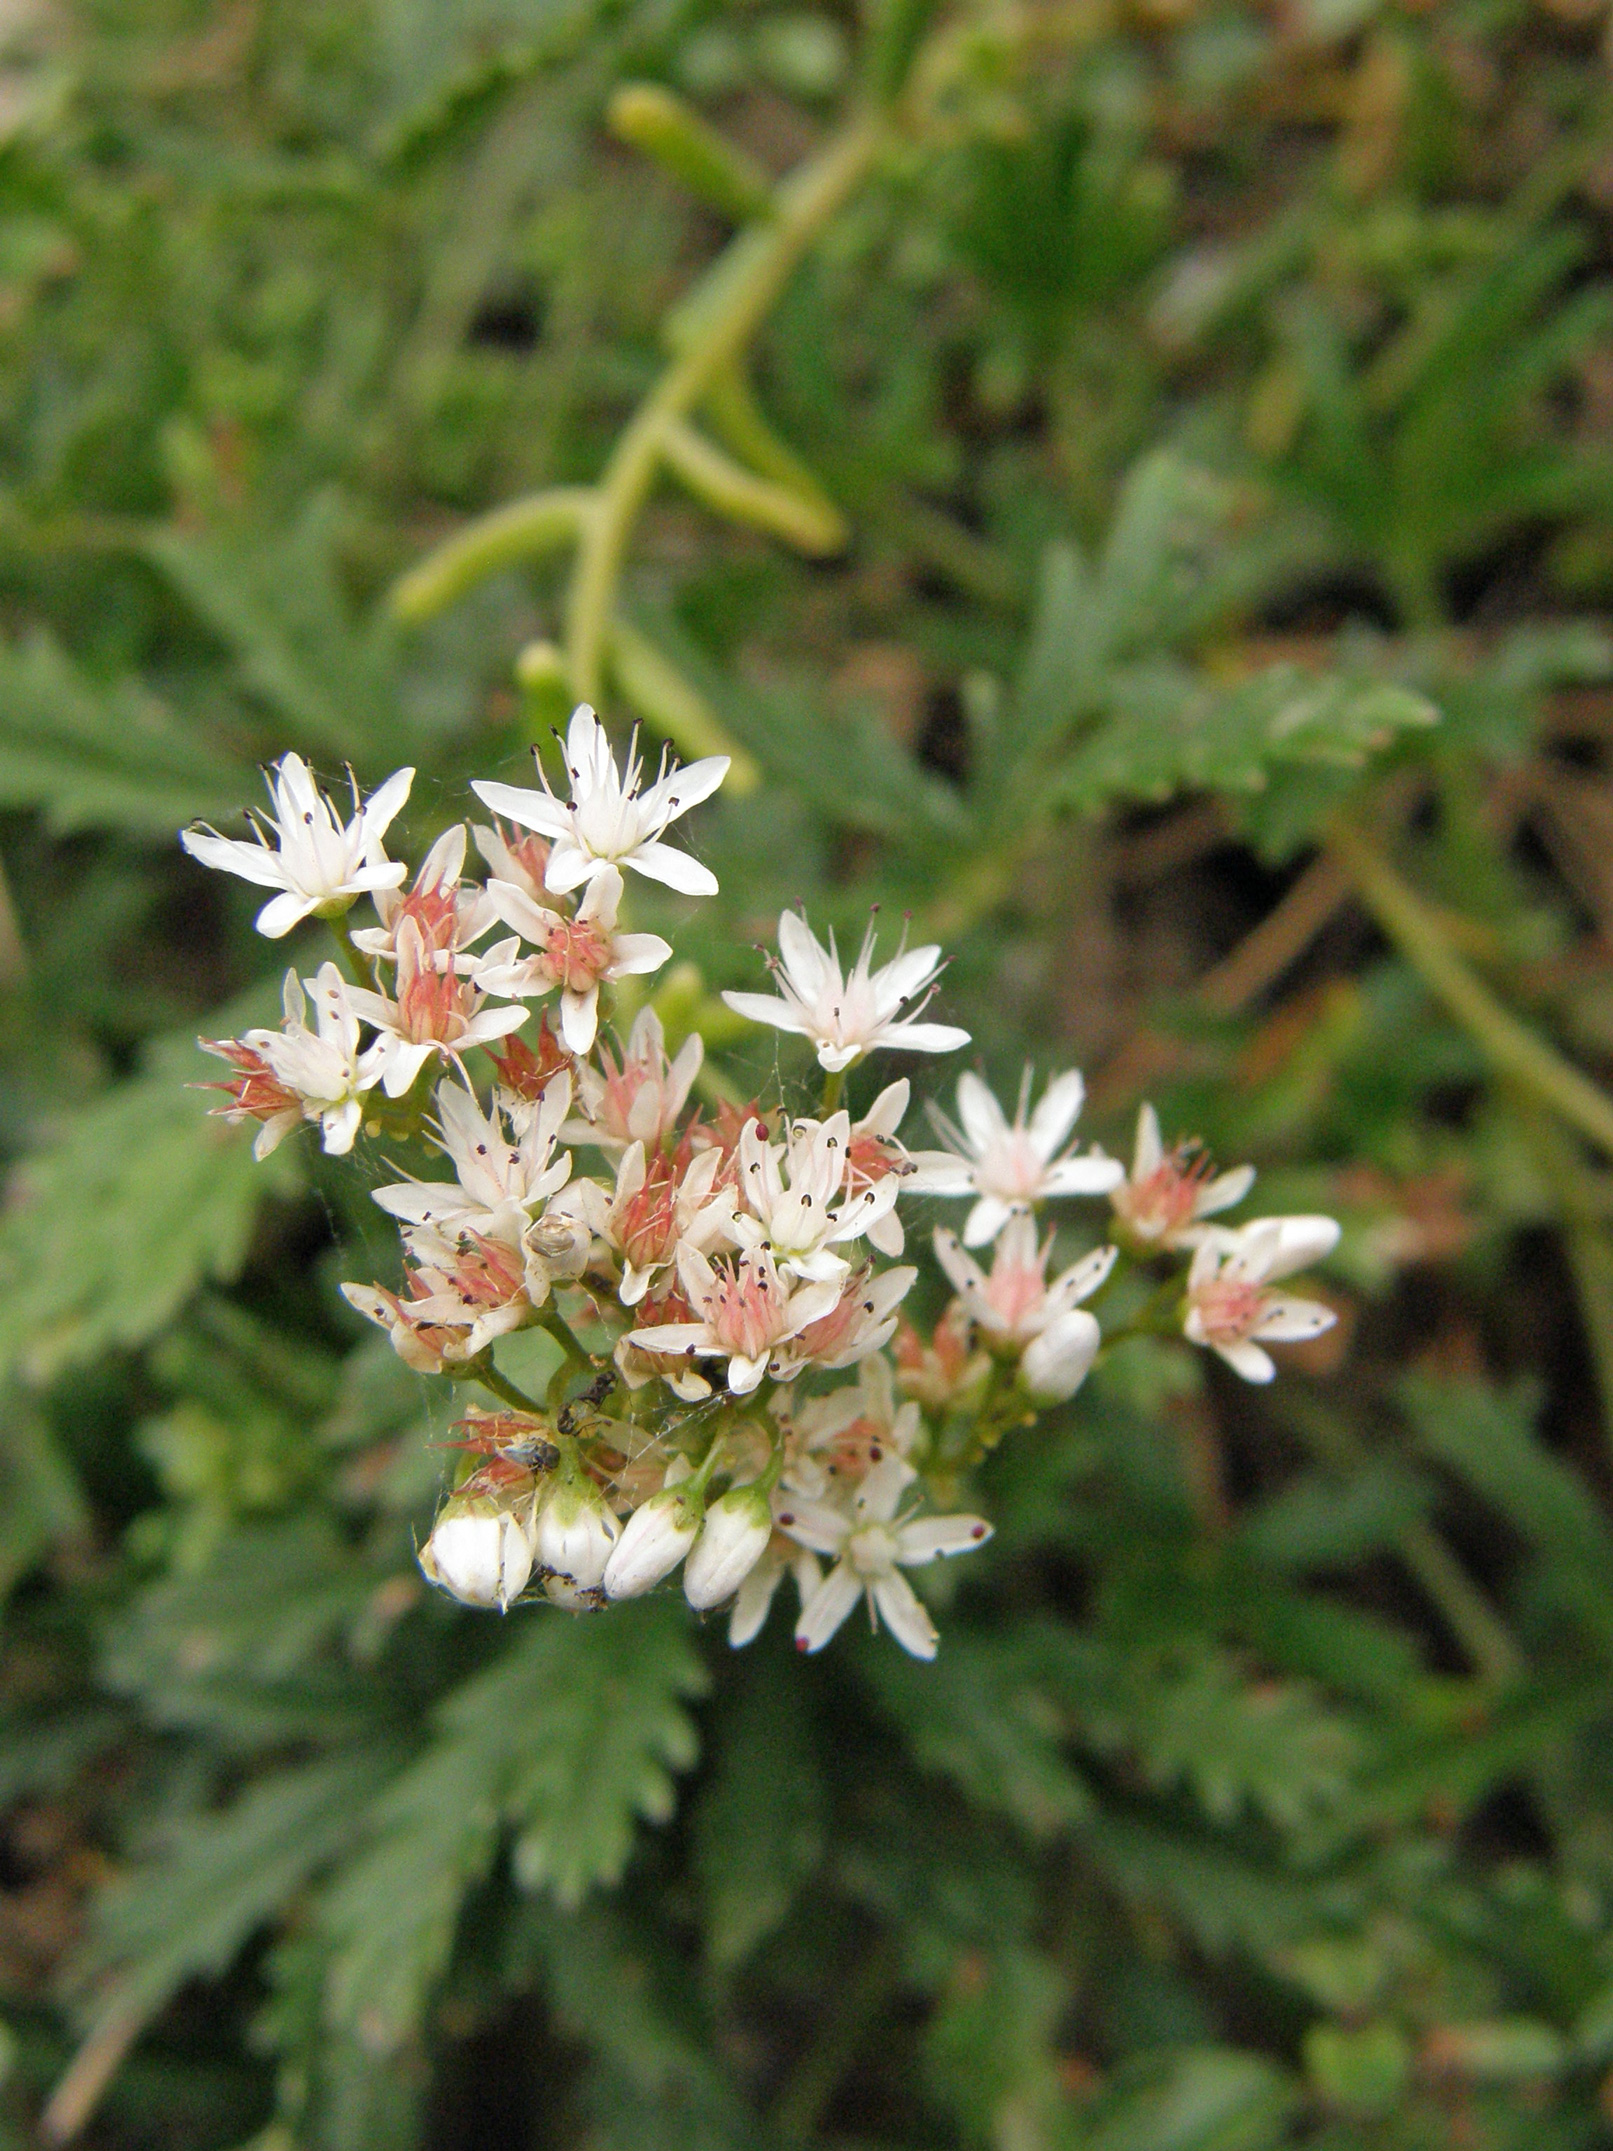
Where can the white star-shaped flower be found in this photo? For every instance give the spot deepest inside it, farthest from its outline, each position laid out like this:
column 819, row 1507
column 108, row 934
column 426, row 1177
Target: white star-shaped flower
column 795, row 1197
column 315, row 862
column 870, row 1547
column 1229, row 1307
column 1015, row 1307
column 1010, row 1166
column 1165, row 1197
column 574, row 953
column 846, row 1015
column 323, row 1068
column 607, row 821
column 501, row 1178
column 743, row 1309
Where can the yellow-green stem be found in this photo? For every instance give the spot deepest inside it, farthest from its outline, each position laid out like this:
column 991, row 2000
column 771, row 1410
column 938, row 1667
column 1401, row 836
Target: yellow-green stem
column 1508, row 1044
column 506, row 1391
column 806, row 201
column 352, row 960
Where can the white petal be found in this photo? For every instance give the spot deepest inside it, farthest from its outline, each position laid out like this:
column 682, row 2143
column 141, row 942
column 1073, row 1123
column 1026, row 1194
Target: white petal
column 532, row 810
column 923, row 1037
column 673, row 1338
column 1095, row 1175
column 1249, row 1360
column 660, row 862
column 834, row 1056
column 805, row 959
column 231, row 855
column 579, row 1020
column 752, row 1604
column 1149, row 1153
column 919, row 1542
column 570, row 866
column 382, row 808
column 984, row 1122
column 986, row 1220
column 1057, row 1112
column 1304, row 1240
column 687, row 785
column 828, row 1606
column 906, row 974
column 888, row 1110
column 403, row 1063
column 282, row 913
column 963, row 1271
column 763, row 1008
column 812, row 1524
column 1056, row 1363
column 744, row 1375
column 532, row 921
column 880, row 1495
column 634, row 954
column 905, row 1617
column 1222, row 1193
column 1083, row 1278
column 937, row 1172
column 341, row 1126
column 1290, row 1321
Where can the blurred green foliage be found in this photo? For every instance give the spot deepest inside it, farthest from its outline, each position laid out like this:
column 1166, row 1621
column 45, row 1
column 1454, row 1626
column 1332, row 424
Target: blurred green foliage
column 1171, row 564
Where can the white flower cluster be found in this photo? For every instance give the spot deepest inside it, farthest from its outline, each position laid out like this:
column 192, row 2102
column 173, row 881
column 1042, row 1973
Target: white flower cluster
column 714, row 1269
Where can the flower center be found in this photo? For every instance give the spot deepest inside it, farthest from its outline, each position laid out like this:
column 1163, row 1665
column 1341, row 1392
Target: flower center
column 1164, row 1200
column 577, row 953
column 1229, row 1310
column 872, row 1550
column 648, row 1224
column 256, row 1089
column 429, row 1006
column 1012, row 1169
column 1014, row 1292
column 746, row 1310
column 831, row 1333
column 436, row 913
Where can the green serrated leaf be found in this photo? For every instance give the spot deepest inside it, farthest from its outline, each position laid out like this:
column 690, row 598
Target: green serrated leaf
column 1173, row 731
column 142, row 1197
column 758, row 1829
column 41, row 1502
column 569, row 1739
column 277, row 603
column 104, row 755
column 222, row 1876
column 1205, row 2099
column 989, row 2049
column 983, row 1716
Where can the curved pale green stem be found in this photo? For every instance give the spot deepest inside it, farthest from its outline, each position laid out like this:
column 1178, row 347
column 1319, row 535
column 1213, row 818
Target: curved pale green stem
column 521, row 530
column 714, row 326
column 502, row 1388
column 1513, row 1050
column 347, row 948
column 812, row 526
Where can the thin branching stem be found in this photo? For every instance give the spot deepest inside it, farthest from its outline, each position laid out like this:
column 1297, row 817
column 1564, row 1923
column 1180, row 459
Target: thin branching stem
column 505, row 1390
column 758, row 264
column 1513, row 1050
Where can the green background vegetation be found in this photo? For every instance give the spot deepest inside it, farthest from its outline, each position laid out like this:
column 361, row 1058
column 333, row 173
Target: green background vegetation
column 1211, row 395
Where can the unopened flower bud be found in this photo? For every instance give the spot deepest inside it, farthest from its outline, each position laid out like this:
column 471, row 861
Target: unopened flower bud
column 576, row 1533
column 479, row 1553
column 732, row 1540
column 1055, row 1364
column 654, row 1540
